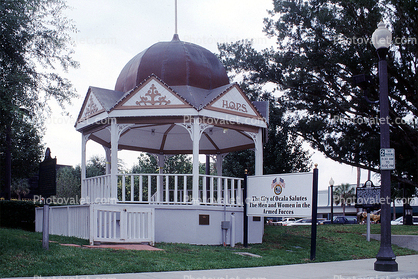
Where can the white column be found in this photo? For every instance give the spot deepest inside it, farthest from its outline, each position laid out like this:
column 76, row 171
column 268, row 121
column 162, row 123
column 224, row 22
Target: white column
column 108, row 159
column 114, row 137
column 196, row 139
column 161, row 162
column 84, row 140
column 259, row 152
column 219, row 158
column 160, row 189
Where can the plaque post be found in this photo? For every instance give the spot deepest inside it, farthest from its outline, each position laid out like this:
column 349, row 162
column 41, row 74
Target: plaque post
column 45, row 227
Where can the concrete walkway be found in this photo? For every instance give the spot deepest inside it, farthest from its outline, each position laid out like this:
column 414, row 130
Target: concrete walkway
column 356, row 269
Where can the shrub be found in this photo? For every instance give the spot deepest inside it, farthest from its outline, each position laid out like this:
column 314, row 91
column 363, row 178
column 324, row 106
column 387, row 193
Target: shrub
column 18, row 214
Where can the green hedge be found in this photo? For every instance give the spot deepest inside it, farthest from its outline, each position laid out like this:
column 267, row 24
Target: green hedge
column 18, row 214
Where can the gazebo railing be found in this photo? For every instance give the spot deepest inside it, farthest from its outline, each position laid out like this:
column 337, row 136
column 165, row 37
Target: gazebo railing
column 178, row 189
column 97, row 190
column 164, row 189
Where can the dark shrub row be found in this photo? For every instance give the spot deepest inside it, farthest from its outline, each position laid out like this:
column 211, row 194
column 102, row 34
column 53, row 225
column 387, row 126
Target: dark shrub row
column 18, row 214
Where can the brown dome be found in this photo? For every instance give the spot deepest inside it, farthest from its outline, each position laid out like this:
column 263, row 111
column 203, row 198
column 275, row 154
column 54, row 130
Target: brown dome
column 176, row 63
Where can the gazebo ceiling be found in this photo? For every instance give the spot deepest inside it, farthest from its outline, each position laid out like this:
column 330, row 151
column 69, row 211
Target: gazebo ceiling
column 174, row 138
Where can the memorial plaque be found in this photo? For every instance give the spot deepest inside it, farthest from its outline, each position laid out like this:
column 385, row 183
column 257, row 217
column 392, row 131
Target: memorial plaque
column 368, row 197
column 280, row 195
column 48, row 176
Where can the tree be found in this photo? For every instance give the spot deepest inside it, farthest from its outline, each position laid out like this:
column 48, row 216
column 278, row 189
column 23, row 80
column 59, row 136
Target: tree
column 20, row 187
column 27, row 149
column 283, row 152
column 34, row 42
column 96, row 166
column 69, row 182
column 147, row 163
column 69, row 178
column 344, row 194
column 321, row 46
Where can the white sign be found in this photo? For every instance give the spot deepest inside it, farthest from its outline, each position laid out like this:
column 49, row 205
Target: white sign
column 280, row 195
column 387, row 158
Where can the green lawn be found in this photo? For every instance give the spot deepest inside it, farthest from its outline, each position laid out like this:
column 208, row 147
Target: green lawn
column 22, row 254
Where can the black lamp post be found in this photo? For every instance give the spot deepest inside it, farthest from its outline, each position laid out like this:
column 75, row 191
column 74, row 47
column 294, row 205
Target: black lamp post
column 331, row 184
column 385, row 258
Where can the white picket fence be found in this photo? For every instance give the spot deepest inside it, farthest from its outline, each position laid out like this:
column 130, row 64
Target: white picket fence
column 73, row 220
column 118, row 223
column 100, row 223
column 165, row 189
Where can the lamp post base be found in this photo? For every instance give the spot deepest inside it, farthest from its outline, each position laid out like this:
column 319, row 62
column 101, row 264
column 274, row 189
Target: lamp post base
column 386, row 265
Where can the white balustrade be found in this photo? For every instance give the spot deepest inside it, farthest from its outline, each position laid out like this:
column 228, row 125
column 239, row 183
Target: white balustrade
column 165, row 189
column 97, row 190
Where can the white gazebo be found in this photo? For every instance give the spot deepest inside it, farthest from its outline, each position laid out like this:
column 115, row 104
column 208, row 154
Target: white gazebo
column 172, row 98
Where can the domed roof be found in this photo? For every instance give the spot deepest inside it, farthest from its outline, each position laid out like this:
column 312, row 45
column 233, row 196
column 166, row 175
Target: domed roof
column 176, row 63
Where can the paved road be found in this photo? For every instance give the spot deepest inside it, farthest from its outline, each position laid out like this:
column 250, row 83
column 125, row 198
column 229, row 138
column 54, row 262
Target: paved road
column 356, row 269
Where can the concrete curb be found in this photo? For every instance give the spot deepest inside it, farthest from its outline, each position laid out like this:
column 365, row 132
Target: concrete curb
column 355, row 269
column 404, row 241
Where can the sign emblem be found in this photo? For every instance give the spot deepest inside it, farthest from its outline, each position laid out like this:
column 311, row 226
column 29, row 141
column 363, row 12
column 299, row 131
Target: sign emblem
column 278, row 185
column 278, row 189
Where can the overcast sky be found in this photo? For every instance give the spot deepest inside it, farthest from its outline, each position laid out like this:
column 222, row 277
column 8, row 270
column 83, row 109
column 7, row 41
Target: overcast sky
column 112, row 32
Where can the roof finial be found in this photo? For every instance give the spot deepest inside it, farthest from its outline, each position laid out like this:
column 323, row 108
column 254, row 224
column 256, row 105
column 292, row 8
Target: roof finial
column 176, row 36
column 175, row 18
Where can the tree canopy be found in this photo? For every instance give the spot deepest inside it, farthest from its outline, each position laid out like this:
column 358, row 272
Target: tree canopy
column 321, row 45
column 34, row 43
column 147, row 163
column 344, row 194
column 283, row 152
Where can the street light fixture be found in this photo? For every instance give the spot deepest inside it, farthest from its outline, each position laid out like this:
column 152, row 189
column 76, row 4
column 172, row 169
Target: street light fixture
column 385, row 258
column 382, row 37
column 331, row 184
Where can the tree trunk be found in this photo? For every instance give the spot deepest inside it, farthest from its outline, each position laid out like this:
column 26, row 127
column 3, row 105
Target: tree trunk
column 8, row 169
column 394, row 211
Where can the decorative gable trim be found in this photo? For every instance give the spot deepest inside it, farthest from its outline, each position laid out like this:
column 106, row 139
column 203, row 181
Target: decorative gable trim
column 152, row 94
column 91, row 107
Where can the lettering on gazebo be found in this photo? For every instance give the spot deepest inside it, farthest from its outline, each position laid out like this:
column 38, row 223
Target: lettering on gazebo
column 234, row 100
column 234, row 106
column 153, row 94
